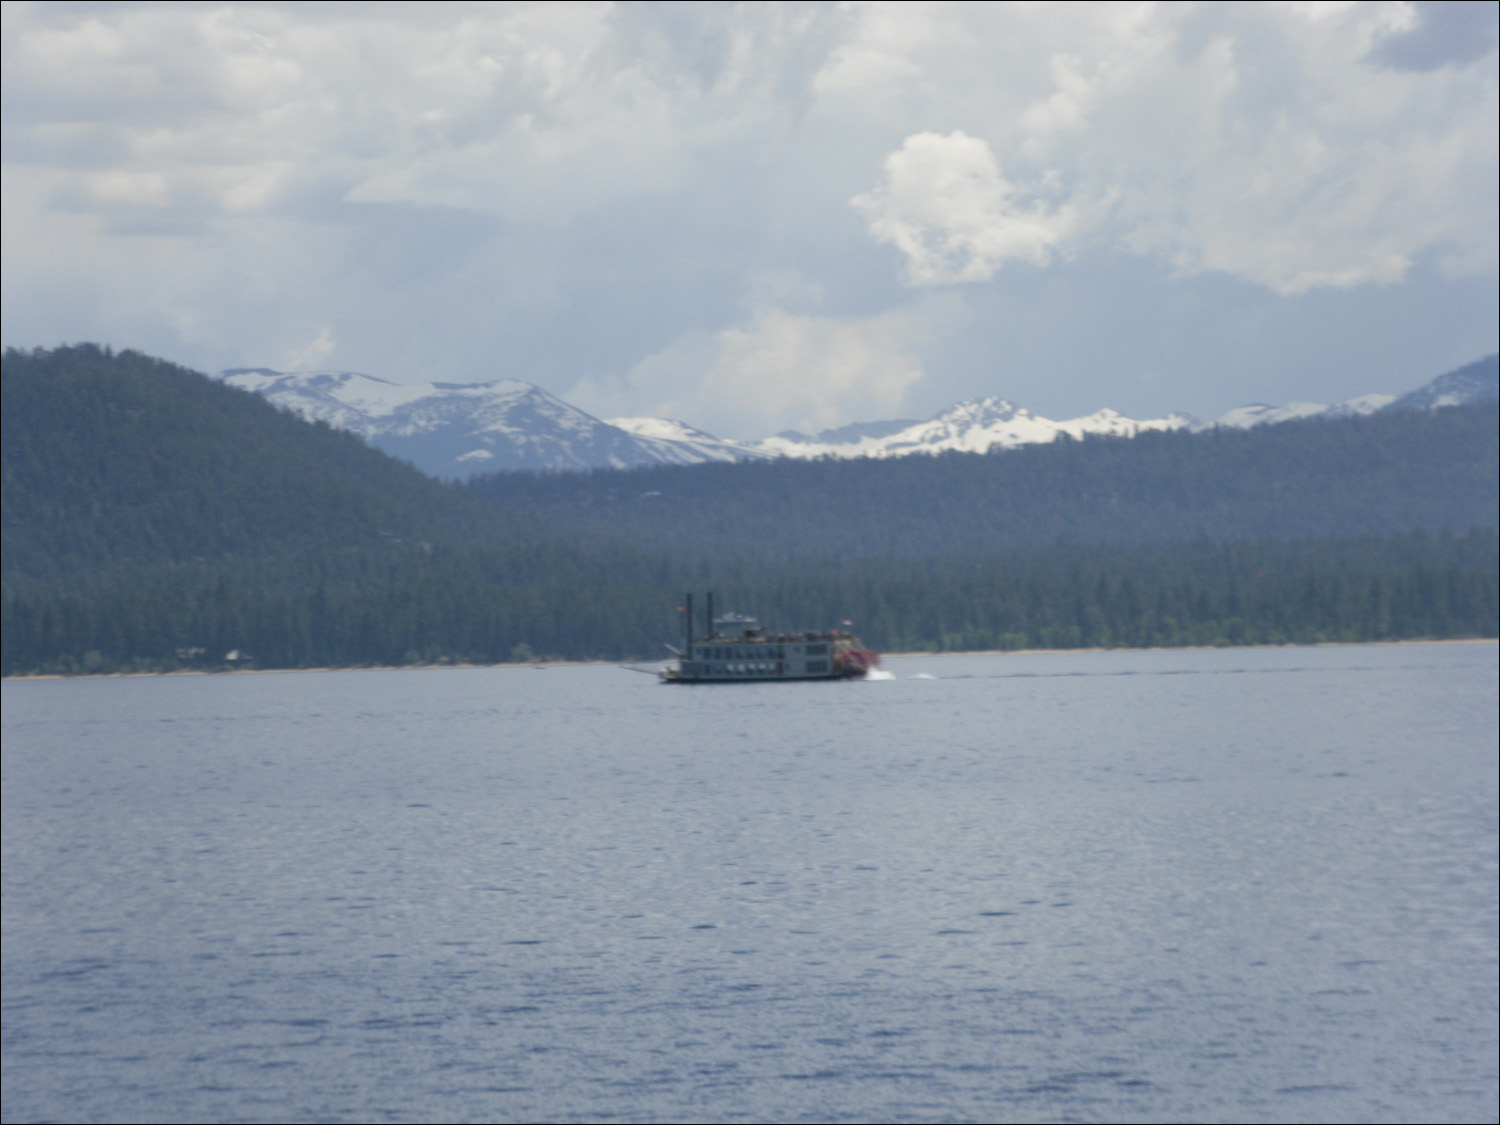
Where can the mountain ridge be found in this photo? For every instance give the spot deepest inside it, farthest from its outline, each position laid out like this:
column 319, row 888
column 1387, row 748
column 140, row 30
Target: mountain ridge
column 459, row 430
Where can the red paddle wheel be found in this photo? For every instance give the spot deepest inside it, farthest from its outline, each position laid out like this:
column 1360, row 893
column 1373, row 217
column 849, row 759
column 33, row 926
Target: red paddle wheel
column 856, row 662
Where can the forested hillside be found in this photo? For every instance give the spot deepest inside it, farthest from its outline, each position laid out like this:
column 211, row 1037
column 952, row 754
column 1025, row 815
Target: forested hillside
column 153, row 519
column 1381, row 474
column 118, row 461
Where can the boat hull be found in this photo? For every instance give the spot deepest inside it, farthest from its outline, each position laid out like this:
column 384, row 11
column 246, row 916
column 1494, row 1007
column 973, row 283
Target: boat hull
column 773, row 660
column 737, row 650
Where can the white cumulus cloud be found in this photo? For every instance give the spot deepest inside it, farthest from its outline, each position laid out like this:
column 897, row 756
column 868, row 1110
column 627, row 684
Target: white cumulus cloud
column 1268, row 142
column 945, row 205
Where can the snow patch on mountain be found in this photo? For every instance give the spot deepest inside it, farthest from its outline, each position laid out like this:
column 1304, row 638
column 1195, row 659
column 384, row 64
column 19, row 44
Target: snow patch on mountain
column 847, row 435
column 454, row 430
column 977, row 426
column 1473, row 383
column 1260, row 414
column 679, row 443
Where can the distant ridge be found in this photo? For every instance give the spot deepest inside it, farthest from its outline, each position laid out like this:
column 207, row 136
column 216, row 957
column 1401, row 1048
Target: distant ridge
column 985, row 424
column 1473, row 383
column 1468, row 386
column 455, row 431
column 1389, row 472
column 677, row 443
column 1261, row 414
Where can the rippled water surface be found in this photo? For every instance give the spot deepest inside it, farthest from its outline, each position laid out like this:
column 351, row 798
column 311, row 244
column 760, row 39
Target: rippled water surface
column 1228, row 885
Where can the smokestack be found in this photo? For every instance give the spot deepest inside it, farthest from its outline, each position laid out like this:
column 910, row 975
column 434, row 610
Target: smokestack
column 710, row 629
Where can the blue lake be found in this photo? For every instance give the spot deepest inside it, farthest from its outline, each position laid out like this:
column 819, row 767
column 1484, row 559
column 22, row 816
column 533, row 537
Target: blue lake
column 1232, row 885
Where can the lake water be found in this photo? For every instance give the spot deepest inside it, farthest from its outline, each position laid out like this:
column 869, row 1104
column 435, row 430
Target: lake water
column 1234, row 885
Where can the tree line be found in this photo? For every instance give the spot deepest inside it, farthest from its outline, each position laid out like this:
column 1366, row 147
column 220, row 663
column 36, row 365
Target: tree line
column 471, row 608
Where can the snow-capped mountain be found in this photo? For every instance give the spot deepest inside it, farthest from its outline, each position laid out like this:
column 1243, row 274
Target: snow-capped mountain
column 1473, row 383
column 455, row 430
column 993, row 423
column 1260, row 414
column 977, row 426
column 679, row 443
column 852, row 433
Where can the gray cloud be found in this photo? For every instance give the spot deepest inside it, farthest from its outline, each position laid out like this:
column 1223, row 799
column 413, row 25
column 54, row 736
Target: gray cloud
column 649, row 206
column 1442, row 33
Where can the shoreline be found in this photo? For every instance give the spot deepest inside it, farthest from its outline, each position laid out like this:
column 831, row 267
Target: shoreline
column 543, row 665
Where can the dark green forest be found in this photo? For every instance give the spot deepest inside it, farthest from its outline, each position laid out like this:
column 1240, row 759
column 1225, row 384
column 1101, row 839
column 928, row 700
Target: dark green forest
column 154, row 519
column 1380, row 474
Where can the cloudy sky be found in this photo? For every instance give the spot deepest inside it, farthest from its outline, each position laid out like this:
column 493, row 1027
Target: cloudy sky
column 762, row 216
